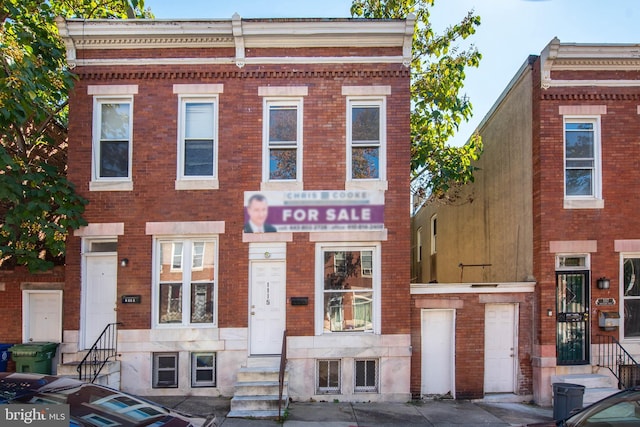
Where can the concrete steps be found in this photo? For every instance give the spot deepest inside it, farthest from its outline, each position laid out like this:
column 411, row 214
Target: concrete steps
column 256, row 391
column 109, row 375
column 597, row 386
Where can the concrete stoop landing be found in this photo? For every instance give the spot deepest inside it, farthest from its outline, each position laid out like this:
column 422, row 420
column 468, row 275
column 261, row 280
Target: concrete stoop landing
column 596, row 386
column 256, row 390
column 109, row 375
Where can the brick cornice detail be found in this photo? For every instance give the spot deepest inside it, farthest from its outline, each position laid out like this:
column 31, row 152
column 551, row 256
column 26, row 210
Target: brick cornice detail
column 547, row 96
column 240, row 74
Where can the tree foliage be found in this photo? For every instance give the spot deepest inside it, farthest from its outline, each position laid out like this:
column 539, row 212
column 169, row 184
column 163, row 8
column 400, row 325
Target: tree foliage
column 438, row 106
column 38, row 205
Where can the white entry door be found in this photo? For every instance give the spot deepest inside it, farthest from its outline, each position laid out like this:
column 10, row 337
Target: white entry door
column 438, row 352
column 42, row 316
column 100, row 297
column 267, row 307
column 500, row 349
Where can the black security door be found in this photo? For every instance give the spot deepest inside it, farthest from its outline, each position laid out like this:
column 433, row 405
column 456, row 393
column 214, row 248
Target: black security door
column 572, row 308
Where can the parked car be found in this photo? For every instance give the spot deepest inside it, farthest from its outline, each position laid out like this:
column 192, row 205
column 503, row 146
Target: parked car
column 92, row 404
column 618, row 410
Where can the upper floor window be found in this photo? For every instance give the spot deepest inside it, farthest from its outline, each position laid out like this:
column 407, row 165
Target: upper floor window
column 282, row 140
column 197, row 165
column 582, row 170
column 112, row 137
column 198, row 138
column 113, row 125
column 366, row 139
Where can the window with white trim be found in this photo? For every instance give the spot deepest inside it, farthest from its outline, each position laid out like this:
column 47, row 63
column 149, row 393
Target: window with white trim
column 583, row 175
column 198, row 137
column 328, row 376
column 366, row 139
column 282, row 140
column 165, row 370
column 630, row 290
column 203, row 369
column 366, row 376
column 112, row 138
column 434, row 235
column 185, row 292
column 349, row 283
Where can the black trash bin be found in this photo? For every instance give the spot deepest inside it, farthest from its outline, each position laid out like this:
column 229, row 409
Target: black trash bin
column 4, row 356
column 566, row 398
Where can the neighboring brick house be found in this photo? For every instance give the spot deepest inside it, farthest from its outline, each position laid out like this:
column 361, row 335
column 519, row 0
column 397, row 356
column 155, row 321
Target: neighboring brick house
column 174, row 126
column 551, row 212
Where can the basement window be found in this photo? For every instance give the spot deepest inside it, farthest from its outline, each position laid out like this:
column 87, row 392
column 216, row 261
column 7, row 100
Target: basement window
column 165, row 370
column 328, row 377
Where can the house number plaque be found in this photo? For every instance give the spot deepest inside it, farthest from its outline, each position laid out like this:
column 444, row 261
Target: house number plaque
column 268, row 300
column 131, row 299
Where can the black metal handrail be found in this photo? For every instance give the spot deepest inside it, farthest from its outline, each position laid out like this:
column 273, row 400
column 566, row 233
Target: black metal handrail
column 283, row 364
column 105, row 347
column 613, row 356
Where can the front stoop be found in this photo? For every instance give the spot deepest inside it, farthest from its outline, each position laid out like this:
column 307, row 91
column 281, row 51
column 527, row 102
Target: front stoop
column 109, row 375
column 596, row 386
column 256, row 393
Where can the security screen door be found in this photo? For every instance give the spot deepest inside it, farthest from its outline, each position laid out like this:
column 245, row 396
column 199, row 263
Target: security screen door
column 572, row 319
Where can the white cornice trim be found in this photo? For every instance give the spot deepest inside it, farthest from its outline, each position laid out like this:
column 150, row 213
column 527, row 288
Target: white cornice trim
column 471, row 288
column 247, row 61
column 599, row 83
column 238, row 33
column 558, row 56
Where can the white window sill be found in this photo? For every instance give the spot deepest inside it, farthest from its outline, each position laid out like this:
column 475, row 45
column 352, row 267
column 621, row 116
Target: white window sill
column 281, row 186
column 197, row 184
column 366, row 185
column 584, row 203
column 111, row 186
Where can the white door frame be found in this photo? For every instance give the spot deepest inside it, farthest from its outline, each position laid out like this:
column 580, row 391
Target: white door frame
column 513, row 349
column 272, row 252
column 85, row 281
column 26, row 326
column 452, row 373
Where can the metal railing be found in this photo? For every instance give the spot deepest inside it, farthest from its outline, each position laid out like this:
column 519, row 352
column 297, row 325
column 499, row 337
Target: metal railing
column 283, row 366
column 99, row 354
column 613, row 356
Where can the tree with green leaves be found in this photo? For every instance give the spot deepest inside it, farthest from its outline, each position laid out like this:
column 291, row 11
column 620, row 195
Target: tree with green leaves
column 438, row 106
column 38, row 205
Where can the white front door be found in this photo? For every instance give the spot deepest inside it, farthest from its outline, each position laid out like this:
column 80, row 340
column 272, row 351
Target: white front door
column 100, row 298
column 43, row 316
column 500, row 349
column 438, row 352
column 267, row 307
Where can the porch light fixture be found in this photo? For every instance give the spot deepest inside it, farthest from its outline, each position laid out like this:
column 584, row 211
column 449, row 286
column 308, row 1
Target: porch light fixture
column 549, row 312
column 124, row 262
column 603, row 283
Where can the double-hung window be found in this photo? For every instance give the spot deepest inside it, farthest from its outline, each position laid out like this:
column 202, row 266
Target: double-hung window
column 185, row 275
column 283, row 140
column 197, row 167
column 112, row 137
column 366, row 139
column 349, row 287
column 582, row 168
column 630, row 290
column 198, row 138
column 112, row 141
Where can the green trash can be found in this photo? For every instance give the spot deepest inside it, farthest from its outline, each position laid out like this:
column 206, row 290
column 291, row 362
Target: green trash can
column 34, row 356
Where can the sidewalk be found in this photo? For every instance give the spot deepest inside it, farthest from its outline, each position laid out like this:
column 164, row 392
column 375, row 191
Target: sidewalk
column 437, row 413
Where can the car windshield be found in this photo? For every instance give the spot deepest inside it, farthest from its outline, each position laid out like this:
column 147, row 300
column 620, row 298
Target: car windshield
column 91, row 405
column 622, row 409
